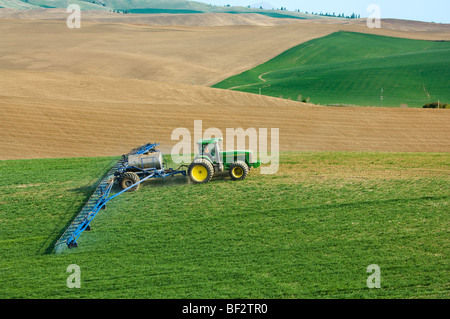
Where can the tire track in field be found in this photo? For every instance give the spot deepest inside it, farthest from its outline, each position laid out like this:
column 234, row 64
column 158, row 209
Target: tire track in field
column 259, row 77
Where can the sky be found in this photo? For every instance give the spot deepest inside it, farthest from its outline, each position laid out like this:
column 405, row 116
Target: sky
column 422, row 10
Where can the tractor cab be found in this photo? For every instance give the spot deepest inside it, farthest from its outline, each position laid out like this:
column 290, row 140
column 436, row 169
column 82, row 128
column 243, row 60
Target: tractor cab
column 210, row 148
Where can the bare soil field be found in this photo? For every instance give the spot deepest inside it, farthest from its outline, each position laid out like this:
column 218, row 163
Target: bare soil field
column 119, row 82
column 64, row 115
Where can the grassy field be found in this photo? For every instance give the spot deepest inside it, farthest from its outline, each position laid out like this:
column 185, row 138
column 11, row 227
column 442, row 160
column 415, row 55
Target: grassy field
column 309, row 231
column 348, row 68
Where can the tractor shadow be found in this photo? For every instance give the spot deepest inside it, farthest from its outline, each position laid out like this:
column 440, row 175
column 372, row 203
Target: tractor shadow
column 221, row 177
column 180, row 180
column 168, row 181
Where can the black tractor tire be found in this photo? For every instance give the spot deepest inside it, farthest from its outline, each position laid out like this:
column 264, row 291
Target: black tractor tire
column 201, row 171
column 238, row 170
column 128, row 179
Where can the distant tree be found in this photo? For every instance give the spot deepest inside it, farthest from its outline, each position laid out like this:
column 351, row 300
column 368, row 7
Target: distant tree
column 436, row 105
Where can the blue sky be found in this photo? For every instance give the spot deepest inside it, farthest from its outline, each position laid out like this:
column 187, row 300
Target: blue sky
column 422, row 10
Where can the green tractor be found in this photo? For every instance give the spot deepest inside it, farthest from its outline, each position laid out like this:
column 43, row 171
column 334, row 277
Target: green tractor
column 211, row 159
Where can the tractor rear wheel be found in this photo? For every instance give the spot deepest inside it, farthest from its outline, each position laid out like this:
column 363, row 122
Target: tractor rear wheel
column 238, row 170
column 129, row 179
column 201, row 171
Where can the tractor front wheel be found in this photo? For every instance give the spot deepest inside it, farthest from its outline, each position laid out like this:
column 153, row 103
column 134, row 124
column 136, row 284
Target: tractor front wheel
column 201, row 171
column 238, row 170
column 129, row 179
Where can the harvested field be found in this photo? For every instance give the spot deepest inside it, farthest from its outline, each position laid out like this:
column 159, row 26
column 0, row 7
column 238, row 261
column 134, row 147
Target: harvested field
column 120, row 81
column 64, row 115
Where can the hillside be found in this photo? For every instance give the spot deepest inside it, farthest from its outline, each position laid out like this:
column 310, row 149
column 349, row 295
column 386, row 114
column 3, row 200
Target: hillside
column 352, row 69
column 39, row 4
column 122, row 48
column 164, row 19
column 77, row 83
column 152, row 7
column 69, row 89
column 49, row 114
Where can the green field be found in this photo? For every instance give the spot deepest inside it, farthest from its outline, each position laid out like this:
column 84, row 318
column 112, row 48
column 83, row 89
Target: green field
column 272, row 14
column 347, row 68
column 310, row 231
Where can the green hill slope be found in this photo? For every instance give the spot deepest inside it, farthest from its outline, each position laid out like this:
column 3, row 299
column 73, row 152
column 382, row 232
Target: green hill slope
column 352, row 68
column 309, row 231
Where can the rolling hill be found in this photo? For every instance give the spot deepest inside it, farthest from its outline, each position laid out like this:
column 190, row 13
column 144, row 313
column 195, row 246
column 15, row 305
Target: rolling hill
column 348, row 68
column 39, row 4
column 65, row 86
column 187, row 52
column 50, row 114
column 152, row 7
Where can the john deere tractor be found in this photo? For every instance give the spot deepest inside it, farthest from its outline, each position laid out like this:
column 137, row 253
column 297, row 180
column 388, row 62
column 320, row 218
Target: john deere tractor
column 211, row 159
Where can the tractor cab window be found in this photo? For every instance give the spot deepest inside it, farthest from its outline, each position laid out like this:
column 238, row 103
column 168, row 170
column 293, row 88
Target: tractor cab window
column 209, row 149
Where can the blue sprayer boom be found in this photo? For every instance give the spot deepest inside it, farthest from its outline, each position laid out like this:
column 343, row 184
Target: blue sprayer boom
column 139, row 165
